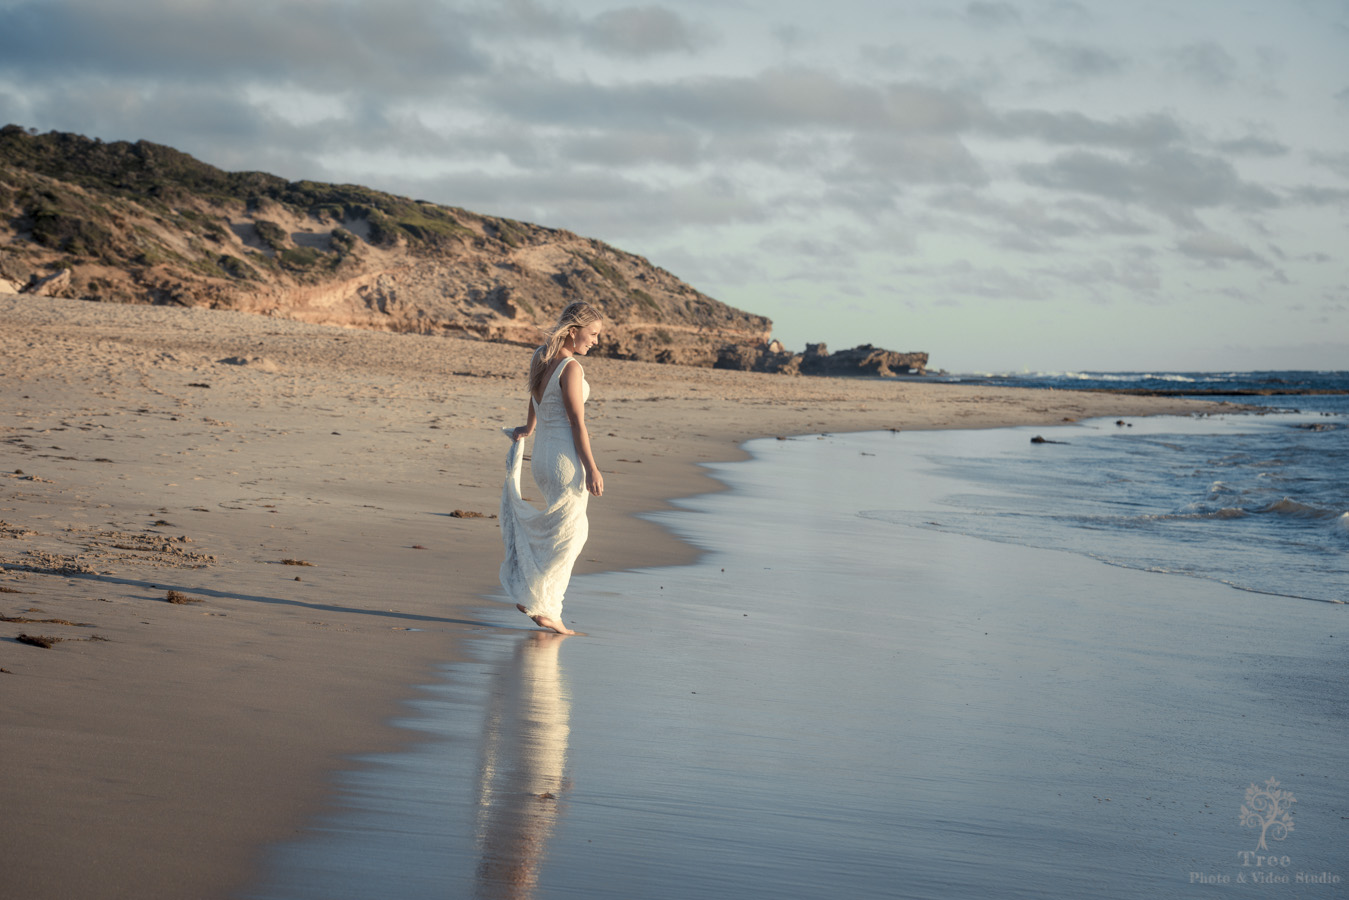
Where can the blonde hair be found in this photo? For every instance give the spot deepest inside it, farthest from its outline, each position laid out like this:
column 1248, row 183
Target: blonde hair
column 575, row 317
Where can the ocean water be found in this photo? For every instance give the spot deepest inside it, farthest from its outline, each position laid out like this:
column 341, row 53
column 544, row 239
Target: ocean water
column 1260, row 503
column 1306, row 391
column 946, row 664
column 1257, row 502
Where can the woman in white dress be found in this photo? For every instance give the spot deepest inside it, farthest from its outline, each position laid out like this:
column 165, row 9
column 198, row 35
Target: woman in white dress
column 542, row 545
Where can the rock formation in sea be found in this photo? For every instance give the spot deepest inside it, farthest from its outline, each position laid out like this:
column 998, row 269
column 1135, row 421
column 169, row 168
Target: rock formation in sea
column 144, row 223
column 817, row 360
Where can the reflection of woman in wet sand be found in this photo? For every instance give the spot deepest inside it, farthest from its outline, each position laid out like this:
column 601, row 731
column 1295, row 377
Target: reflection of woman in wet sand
column 522, row 773
column 542, row 546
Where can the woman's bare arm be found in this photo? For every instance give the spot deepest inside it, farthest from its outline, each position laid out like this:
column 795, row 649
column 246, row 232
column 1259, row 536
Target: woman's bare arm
column 526, row 429
column 573, row 400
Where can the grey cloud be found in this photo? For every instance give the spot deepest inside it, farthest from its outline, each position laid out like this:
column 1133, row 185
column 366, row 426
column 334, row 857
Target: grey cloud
column 797, row 149
column 631, row 147
column 1153, row 131
column 599, row 203
column 1078, row 60
column 784, row 98
column 1032, row 225
column 219, row 126
column 789, row 37
column 887, row 56
column 1104, row 219
column 1173, row 181
column 633, row 32
column 1315, row 195
column 913, row 159
column 1254, row 146
column 713, row 270
column 205, row 123
column 642, row 31
column 963, row 279
column 1215, row 249
column 523, row 18
column 412, row 46
column 1335, row 162
column 1134, row 272
column 1027, row 226
column 869, row 200
column 1206, row 63
column 835, row 250
column 1137, row 274
column 992, row 15
column 1069, row 13
column 807, row 98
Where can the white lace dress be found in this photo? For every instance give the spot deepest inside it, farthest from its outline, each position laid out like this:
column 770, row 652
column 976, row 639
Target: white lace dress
column 542, row 545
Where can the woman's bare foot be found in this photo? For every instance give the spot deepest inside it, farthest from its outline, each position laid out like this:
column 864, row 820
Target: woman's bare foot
column 546, row 621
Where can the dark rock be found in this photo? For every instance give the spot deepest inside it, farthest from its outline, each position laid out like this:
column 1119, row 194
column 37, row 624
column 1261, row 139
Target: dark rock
column 49, row 286
column 770, row 357
column 861, row 360
column 864, row 360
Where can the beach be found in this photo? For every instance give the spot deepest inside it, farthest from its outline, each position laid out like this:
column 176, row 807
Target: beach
column 298, row 485
column 846, row 697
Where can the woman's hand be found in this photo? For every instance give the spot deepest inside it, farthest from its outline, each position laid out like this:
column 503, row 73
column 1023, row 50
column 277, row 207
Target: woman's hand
column 595, row 482
column 521, row 433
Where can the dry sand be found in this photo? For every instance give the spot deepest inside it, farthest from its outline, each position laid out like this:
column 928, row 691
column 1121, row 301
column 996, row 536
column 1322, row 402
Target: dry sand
column 158, row 748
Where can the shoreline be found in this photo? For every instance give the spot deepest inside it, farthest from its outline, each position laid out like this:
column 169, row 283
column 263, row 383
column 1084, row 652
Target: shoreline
column 134, row 448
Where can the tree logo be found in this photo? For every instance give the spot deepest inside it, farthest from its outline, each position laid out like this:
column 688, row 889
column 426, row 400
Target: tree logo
column 1269, row 809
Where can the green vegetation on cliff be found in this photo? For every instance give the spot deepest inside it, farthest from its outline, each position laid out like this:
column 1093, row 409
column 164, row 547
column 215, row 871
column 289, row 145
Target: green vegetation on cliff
column 144, row 223
column 161, row 179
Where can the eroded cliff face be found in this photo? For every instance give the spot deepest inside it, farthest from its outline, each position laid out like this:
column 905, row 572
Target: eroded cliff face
column 142, row 223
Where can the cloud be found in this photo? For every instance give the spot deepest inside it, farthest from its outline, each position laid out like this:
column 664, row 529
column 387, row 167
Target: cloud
column 601, row 202
column 328, row 46
column 886, row 56
column 1136, row 273
column 1337, row 162
column 1315, row 195
column 962, row 280
column 912, row 160
column 1027, row 225
column 1103, row 219
column 1215, row 249
column 1253, row 146
column 515, row 19
column 786, row 99
column 1206, row 63
column 1173, row 181
column 642, row 32
column 992, row 15
column 1068, row 13
column 676, row 146
column 1152, row 131
column 1078, row 60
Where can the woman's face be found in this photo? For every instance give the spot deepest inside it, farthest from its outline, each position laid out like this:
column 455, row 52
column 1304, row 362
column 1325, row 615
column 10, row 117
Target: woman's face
column 585, row 338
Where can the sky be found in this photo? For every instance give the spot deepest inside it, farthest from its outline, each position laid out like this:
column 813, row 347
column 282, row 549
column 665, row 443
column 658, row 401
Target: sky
column 1030, row 185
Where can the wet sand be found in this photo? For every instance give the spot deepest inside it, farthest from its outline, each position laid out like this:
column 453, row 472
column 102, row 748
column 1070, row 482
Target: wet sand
column 833, row 704
column 301, row 482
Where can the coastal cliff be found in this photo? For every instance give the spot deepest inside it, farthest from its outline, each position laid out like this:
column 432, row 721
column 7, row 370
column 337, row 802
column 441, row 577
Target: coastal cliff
column 144, row 223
